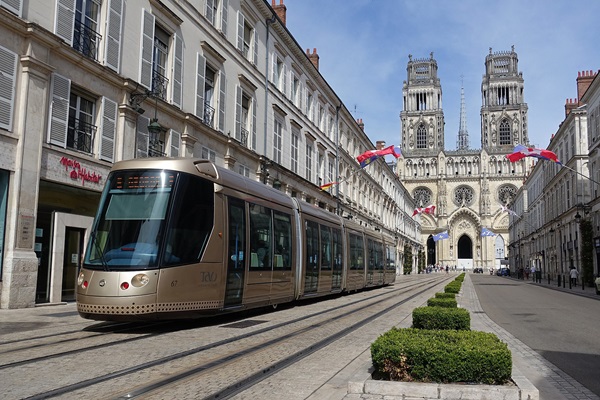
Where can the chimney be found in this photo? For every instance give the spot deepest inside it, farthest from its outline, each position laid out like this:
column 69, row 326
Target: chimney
column 380, row 144
column 584, row 80
column 360, row 124
column 314, row 57
column 280, row 10
column 570, row 105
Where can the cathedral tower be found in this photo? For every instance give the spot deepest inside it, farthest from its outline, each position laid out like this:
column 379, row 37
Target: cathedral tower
column 422, row 116
column 503, row 109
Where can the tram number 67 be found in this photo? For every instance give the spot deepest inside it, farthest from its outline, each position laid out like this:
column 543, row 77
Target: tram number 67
column 173, row 283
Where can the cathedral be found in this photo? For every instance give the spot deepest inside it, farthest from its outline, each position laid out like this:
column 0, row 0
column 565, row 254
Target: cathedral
column 468, row 187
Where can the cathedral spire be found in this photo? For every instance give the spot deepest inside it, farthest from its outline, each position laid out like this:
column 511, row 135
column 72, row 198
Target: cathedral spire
column 462, row 143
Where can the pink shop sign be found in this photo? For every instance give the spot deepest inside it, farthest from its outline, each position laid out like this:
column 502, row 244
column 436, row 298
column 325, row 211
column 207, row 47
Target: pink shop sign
column 77, row 172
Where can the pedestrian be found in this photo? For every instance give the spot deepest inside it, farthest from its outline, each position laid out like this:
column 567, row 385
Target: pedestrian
column 574, row 274
column 532, row 270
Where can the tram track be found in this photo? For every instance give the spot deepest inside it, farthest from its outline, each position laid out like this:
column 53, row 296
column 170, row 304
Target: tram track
column 233, row 350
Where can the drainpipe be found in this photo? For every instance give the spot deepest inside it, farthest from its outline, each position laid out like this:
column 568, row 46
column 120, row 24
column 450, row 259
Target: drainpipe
column 268, row 22
column 337, row 159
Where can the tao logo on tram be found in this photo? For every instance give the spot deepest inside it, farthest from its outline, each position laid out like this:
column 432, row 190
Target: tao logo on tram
column 208, row 277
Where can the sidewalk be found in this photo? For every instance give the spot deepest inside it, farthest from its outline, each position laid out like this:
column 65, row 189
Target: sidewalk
column 587, row 291
column 552, row 383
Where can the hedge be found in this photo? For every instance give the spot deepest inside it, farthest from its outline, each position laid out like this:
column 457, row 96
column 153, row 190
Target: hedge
column 441, row 318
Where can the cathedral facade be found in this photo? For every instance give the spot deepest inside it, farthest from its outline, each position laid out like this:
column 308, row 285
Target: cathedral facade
column 468, row 187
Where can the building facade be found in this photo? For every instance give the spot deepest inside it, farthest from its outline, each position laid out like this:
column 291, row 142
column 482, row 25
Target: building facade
column 467, row 186
column 85, row 84
column 558, row 207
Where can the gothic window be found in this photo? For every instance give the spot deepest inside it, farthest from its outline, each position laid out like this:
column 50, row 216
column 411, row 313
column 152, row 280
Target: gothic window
column 506, row 194
column 504, row 132
column 463, row 196
column 421, row 137
column 422, row 196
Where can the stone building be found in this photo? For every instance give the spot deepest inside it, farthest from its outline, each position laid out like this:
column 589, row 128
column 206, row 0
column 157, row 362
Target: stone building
column 84, row 84
column 468, row 186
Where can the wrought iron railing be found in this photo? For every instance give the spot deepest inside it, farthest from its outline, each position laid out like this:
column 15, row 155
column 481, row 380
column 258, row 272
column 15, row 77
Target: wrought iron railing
column 209, row 115
column 86, row 41
column 155, row 149
column 159, row 85
column 244, row 137
column 80, row 135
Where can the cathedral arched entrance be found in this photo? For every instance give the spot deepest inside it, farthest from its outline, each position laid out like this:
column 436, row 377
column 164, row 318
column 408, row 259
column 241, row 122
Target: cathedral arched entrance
column 465, row 252
column 431, row 255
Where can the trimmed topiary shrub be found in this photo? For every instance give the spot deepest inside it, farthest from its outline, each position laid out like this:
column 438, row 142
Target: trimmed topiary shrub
column 437, row 302
column 441, row 318
column 441, row 295
column 441, row 356
column 452, row 287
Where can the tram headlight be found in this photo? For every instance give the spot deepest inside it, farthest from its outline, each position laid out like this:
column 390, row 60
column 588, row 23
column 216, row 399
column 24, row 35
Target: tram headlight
column 140, row 280
column 80, row 279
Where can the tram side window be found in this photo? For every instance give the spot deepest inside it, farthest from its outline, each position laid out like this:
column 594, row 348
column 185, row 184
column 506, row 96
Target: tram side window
column 325, row 247
column 379, row 260
column 356, row 252
column 312, row 247
column 283, row 241
column 260, row 237
column 191, row 221
column 391, row 258
column 370, row 254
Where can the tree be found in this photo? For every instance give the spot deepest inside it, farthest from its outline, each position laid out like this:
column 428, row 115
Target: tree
column 587, row 252
column 407, row 259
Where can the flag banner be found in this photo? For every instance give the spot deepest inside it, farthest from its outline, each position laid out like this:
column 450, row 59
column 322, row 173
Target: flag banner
column 508, row 210
column 327, row 185
column 521, row 151
column 486, row 232
column 427, row 210
column 371, row 155
column 441, row 236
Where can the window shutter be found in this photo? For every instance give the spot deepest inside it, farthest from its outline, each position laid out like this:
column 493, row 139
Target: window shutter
column 175, row 143
column 238, row 112
column 14, row 6
column 108, row 129
column 305, row 92
column 146, row 49
column 255, row 46
column 8, row 73
column 65, row 20
column 224, row 14
column 210, row 4
column 222, row 100
column 274, row 71
column 200, row 68
column 240, row 31
column 177, row 71
column 254, row 123
column 59, row 110
column 284, row 81
column 112, row 51
column 142, row 138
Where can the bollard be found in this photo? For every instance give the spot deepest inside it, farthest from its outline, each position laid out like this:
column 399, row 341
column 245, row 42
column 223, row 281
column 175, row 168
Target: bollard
column 558, row 279
column 570, row 284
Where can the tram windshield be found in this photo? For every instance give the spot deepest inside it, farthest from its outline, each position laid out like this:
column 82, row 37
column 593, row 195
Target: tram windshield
column 150, row 218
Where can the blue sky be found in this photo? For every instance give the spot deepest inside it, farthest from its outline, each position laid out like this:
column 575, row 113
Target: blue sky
column 364, row 46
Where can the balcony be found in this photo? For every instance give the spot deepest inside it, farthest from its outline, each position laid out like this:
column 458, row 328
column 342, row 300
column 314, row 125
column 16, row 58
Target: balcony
column 159, row 85
column 80, row 135
column 209, row 115
column 86, row 41
column 244, row 137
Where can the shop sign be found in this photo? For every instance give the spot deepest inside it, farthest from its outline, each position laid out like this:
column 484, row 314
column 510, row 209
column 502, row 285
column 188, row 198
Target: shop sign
column 78, row 172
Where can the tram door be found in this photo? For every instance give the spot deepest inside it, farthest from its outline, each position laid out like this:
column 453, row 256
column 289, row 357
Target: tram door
column 311, row 263
column 234, row 288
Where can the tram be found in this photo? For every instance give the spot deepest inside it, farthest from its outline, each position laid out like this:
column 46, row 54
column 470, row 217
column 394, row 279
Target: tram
column 184, row 238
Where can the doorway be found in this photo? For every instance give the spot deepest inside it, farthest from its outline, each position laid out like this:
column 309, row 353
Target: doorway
column 72, row 261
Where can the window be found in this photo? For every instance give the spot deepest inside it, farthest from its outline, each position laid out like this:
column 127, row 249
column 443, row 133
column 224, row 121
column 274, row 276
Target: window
column 216, row 14
column 210, row 91
column 421, row 137
column 309, row 156
column 261, row 248
column 245, row 118
column 504, row 132
column 282, row 237
column 208, row 154
column 296, row 91
column 72, row 119
column 209, row 97
column 81, row 130
column 243, row 170
column 85, row 36
column 155, row 51
column 294, row 148
column 247, row 39
column 277, row 139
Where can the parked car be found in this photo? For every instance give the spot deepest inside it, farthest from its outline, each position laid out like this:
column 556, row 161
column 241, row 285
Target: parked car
column 503, row 272
column 478, row 270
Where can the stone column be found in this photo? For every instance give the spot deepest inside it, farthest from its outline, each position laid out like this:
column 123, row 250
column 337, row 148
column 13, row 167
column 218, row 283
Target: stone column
column 21, row 263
